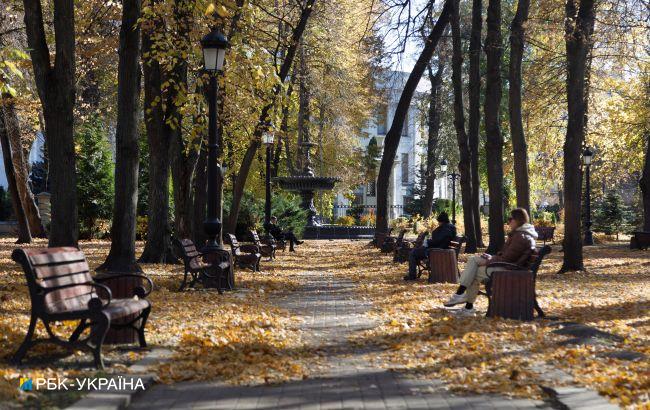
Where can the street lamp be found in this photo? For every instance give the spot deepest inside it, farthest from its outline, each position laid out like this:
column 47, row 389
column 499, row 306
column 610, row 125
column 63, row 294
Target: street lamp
column 267, row 139
column 587, row 156
column 214, row 46
column 453, row 176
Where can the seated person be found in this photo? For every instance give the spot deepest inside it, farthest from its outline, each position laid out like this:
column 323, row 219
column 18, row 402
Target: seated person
column 440, row 239
column 517, row 249
column 276, row 232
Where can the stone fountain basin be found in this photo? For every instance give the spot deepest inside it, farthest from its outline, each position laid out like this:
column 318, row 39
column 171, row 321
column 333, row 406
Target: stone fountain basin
column 306, row 183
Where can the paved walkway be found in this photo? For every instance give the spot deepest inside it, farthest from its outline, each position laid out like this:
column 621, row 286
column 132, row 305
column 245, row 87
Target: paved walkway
column 332, row 313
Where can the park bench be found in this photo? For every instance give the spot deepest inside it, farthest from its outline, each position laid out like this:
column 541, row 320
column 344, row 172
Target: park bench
column 208, row 274
column 267, row 247
column 511, row 291
column 61, row 288
column 545, row 233
column 401, row 254
column 442, row 264
column 391, row 243
column 640, row 240
column 245, row 255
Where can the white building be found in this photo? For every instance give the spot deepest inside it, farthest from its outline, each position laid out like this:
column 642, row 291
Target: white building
column 407, row 159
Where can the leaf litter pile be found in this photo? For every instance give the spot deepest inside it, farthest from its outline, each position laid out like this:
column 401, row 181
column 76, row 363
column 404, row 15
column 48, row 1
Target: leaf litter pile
column 243, row 338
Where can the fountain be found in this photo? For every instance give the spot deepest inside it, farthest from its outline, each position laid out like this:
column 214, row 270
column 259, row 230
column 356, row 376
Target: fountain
column 306, row 185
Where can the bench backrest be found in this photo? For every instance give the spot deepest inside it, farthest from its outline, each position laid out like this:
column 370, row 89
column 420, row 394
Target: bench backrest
column 400, row 237
column 234, row 244
column 191, row 256
column 537, row 257
column 52, row 267
column 419, row 241
column 457, row 244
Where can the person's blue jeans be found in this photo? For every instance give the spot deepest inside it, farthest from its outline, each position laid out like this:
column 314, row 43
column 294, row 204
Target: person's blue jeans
column 416, row 256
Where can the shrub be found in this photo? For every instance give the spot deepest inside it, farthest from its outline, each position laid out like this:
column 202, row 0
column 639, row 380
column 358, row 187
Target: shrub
column 141, row 228
column 291, row 217
column 345, row 220
column 400, row 223
column 612, row 216
column 356, row 212
column 95, row 183
column 368, row 220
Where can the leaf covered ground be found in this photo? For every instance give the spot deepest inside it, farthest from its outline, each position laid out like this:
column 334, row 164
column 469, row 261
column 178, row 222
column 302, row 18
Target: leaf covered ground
column 243, row 338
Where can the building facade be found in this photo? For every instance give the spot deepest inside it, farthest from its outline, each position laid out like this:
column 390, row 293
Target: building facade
column 408, row 159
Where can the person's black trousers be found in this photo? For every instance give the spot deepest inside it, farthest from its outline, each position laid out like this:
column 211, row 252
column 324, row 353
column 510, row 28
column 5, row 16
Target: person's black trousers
column 416, row 256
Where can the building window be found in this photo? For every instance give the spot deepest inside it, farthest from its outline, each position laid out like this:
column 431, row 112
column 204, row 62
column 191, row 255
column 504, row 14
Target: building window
column 405, row 169
column 371, row 188
column 405, row 127
column 382, row 119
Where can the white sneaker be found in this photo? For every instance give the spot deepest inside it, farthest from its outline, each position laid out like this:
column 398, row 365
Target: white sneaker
column 465, row 312
column 456, row 300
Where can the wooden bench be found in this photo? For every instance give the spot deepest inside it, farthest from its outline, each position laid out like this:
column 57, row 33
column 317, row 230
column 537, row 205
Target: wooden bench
column 442, row 261
column 640, row 240
column 245, row 255
column 401, row 254
column 391, row 243
column 511, row 291
column 208, row 274
column 61, row 288
column 267, row 247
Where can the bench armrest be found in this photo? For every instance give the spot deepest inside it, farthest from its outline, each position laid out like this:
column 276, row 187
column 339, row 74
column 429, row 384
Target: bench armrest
column 509, row 266
column 94, row 303
column 139, row 291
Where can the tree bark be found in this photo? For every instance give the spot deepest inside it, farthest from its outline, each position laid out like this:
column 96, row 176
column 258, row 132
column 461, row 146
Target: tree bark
column 474, row 118
column 644, row 184
column 494, row 139
column 21, row 173
column 433, row 123
column 519, row 146
column 391, row 142
column 157, row 249
column 121, row 257
column 579, row 26
column 182, row 162
column 263, row 122
column 56, row 90
column 24, row 236
column 464, row 166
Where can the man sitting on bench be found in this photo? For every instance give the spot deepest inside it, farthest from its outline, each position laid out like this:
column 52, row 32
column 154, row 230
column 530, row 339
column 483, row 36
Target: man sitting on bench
column 517, row 250
column 440, row 239
column 274, row 230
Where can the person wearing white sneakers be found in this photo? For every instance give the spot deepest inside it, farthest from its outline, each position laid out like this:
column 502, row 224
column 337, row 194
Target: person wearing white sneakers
column 517, row 249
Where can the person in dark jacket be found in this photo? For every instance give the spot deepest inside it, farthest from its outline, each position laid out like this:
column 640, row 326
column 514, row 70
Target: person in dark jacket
column 440, row 238
column 276, row 232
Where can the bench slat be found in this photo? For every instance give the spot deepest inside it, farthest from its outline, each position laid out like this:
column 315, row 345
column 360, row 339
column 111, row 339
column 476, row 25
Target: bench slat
column 50, row 272
column 56, row 257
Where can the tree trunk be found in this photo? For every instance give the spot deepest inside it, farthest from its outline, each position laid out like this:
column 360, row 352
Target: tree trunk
column 24, row 235
column 464, row 166
column 494, row 139
column 474, row 119
column 121, row 257
column 182, row 162
column 12, row 128
column 579, row 26
column 263, row 122
column 519, row 146
column 157, row 249
column 644, row 184
column 56, row 90
column 391, row 142
column 433, row 123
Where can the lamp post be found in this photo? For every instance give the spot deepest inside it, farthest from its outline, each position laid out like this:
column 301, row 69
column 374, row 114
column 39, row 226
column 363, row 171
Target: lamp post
column 267, row 139
column 443, row 170
column 587, row 156
column 453, row 176
column 214, row 46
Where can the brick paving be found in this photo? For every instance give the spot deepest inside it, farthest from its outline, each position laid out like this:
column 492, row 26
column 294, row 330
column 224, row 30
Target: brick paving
column 332, row 312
